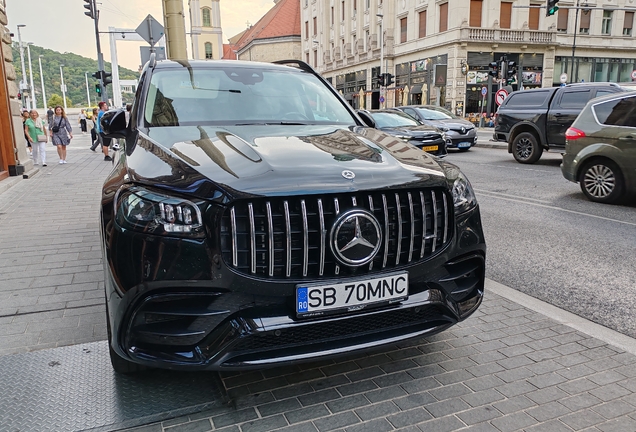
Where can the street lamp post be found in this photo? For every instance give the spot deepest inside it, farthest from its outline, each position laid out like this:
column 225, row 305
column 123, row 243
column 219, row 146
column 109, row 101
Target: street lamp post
column 23, row 80
column 63, row 86
column 381, row 16
column 42, row 80
column 88, row 93
column 32, row 92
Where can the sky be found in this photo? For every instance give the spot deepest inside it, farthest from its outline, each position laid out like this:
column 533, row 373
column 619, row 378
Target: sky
column 61, row 25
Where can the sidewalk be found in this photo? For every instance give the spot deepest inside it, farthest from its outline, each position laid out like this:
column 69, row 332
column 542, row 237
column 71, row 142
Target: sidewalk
column 516, row 364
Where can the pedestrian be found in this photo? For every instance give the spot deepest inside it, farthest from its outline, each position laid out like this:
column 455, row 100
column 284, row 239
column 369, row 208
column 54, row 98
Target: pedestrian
column 82, row 121
column 94, row 136
column 49, row 116
column 25, row 117
column 35, row 130
column 103, row 107
column 61, row 132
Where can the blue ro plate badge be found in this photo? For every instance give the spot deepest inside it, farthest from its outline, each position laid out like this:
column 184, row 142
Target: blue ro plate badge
column 350, row 295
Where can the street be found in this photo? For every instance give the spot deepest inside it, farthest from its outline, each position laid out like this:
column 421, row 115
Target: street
column 547, row 240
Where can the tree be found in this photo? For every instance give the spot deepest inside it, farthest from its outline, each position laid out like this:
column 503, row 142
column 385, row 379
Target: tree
column 55, row 100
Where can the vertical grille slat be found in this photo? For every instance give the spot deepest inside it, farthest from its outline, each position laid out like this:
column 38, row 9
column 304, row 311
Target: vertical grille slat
column 288, row 237
column 250, row 208
column 303, row 208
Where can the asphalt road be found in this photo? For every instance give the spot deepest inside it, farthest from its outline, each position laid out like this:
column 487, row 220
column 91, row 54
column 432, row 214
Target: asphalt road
column 547, row 240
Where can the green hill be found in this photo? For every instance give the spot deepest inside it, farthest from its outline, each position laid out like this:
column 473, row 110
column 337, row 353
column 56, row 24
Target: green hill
column 74, row 68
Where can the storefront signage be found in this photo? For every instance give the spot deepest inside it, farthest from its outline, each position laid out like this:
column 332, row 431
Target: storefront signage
column 476, row 77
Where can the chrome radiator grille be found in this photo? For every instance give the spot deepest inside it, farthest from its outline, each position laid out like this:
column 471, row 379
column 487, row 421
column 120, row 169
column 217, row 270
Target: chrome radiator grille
column 289, row 237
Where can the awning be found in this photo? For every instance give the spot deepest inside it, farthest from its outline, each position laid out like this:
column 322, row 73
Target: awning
column 417, row 89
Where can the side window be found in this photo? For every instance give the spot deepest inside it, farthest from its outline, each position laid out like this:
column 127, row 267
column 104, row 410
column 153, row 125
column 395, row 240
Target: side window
column 617, row 112
column 527, row 98
column 602, row 92
column 575, row 99
column 410, row 112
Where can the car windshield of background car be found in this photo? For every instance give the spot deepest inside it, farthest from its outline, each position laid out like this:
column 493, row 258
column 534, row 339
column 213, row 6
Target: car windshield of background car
column 240, row 96
column 389, row 120
column 429, row 114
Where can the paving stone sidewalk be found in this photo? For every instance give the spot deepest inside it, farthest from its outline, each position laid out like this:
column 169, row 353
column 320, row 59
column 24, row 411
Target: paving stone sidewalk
column 51, row 289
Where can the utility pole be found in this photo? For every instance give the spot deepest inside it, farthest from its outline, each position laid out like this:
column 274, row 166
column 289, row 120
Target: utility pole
column 174, row 25
column 576, row 25
column 93, row 13
column 23, row 80
column 88, row 94
column 63, row 86
column 32, row 92
column 44, row 102
column 381, row 16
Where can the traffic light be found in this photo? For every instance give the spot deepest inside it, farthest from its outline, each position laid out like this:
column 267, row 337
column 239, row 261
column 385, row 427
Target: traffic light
column 493, row 69
column 20, row 96
column 388, row 79
column 97, row 75
column 90, row 10
column 511, row 72
column 380, row 80
column 551, row 7
column 106, row 78
column 98, row 89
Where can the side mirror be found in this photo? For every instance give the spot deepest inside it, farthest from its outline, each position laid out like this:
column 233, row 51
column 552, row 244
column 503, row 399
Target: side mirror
column 113, row 124
column 366, row 118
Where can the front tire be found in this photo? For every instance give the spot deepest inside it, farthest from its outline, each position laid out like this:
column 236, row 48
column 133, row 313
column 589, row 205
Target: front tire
column 526, row 148
column 602, row 181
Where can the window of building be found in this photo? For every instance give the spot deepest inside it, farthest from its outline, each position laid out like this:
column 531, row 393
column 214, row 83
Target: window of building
column 533, row 16
column 443, row 17
column 315, row 26
column 584, row 27
column 562, row 20
column 208, row 50
column 422, row 29
column 206, row 17
column 332, row 15
column 505, row 15
column 306, row 29
column 475, row 13
column 367, row 4
column 403, row 23
column 628, row 23
column 343, row 11
column 607, row 23
column 307, row 58
column 366, row 41
column 355, row 7
column 315, row 58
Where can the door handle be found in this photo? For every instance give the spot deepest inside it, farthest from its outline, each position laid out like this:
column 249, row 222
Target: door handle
column 559, row 115
column 629, row 137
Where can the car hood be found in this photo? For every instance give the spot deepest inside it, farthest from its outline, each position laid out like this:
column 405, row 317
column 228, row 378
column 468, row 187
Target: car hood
column 451, row 123
column 210, row 161
column 411, row 130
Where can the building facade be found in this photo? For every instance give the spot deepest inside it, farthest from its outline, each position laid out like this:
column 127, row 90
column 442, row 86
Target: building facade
column 207, row 34
column 439, row 51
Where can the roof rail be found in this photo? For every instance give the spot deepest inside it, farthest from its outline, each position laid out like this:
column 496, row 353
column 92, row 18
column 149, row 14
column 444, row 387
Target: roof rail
column 299, row 63
column 612, row 84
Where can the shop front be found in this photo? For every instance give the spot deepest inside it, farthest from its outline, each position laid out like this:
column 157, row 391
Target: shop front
column 426, row 81
column 589, row 69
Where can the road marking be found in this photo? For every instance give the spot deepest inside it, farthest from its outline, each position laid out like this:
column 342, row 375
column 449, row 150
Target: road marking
column 492, row 195
column 510, row 196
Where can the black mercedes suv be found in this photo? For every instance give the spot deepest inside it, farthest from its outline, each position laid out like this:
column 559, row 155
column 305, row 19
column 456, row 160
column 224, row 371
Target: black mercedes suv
column 253, row 219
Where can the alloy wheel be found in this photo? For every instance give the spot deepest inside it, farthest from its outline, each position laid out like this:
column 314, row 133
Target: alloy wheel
column 524, row 148
column 599, row 181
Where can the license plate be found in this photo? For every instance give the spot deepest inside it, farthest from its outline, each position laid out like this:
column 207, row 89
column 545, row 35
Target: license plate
column 429, row 148
column 318, row 299
column 464, row 144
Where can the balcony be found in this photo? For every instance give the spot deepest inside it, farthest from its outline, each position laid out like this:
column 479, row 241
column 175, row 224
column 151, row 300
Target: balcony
column 477, row 34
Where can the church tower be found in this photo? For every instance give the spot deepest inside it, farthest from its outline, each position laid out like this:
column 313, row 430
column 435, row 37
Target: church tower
column 207, row 34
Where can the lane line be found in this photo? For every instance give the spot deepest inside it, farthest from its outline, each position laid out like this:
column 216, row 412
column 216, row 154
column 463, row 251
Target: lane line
column 489, row 194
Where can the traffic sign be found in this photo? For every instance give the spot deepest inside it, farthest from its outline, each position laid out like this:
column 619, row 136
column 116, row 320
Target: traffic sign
column 484, row 91
column 564, row 78
column 500, row 96
column 150, row 30
column 634, row 74
column 381, row 99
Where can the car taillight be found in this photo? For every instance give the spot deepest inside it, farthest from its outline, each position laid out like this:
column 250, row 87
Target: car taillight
column 574, row 134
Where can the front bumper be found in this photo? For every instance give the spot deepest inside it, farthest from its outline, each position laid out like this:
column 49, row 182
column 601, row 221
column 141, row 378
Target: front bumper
column 229, row 321
column 455, row 140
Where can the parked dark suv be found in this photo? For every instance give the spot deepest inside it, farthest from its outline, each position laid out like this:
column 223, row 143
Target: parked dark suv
column 252, row 219
column 600, row 150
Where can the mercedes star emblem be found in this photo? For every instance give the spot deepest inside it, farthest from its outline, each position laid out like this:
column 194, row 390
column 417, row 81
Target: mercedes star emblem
column 349, row 175
column 356, row 237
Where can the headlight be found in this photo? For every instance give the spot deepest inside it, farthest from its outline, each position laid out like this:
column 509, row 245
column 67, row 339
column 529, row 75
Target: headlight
column 444, row 129
column 151, row 212
column 463, row 195
column 403, row 137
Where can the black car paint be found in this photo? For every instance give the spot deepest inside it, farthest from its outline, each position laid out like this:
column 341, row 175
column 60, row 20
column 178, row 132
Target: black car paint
column 254, row 161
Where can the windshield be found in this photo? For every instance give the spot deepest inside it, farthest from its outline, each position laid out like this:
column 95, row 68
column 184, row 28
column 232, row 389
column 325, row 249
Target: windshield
column 239, row 96
column 393, row 119
column 435, row 113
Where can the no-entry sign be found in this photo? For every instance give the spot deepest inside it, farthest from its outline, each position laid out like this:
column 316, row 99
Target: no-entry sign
column 500, row 96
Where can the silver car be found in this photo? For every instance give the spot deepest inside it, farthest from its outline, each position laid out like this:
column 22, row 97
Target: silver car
column 460, row 134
